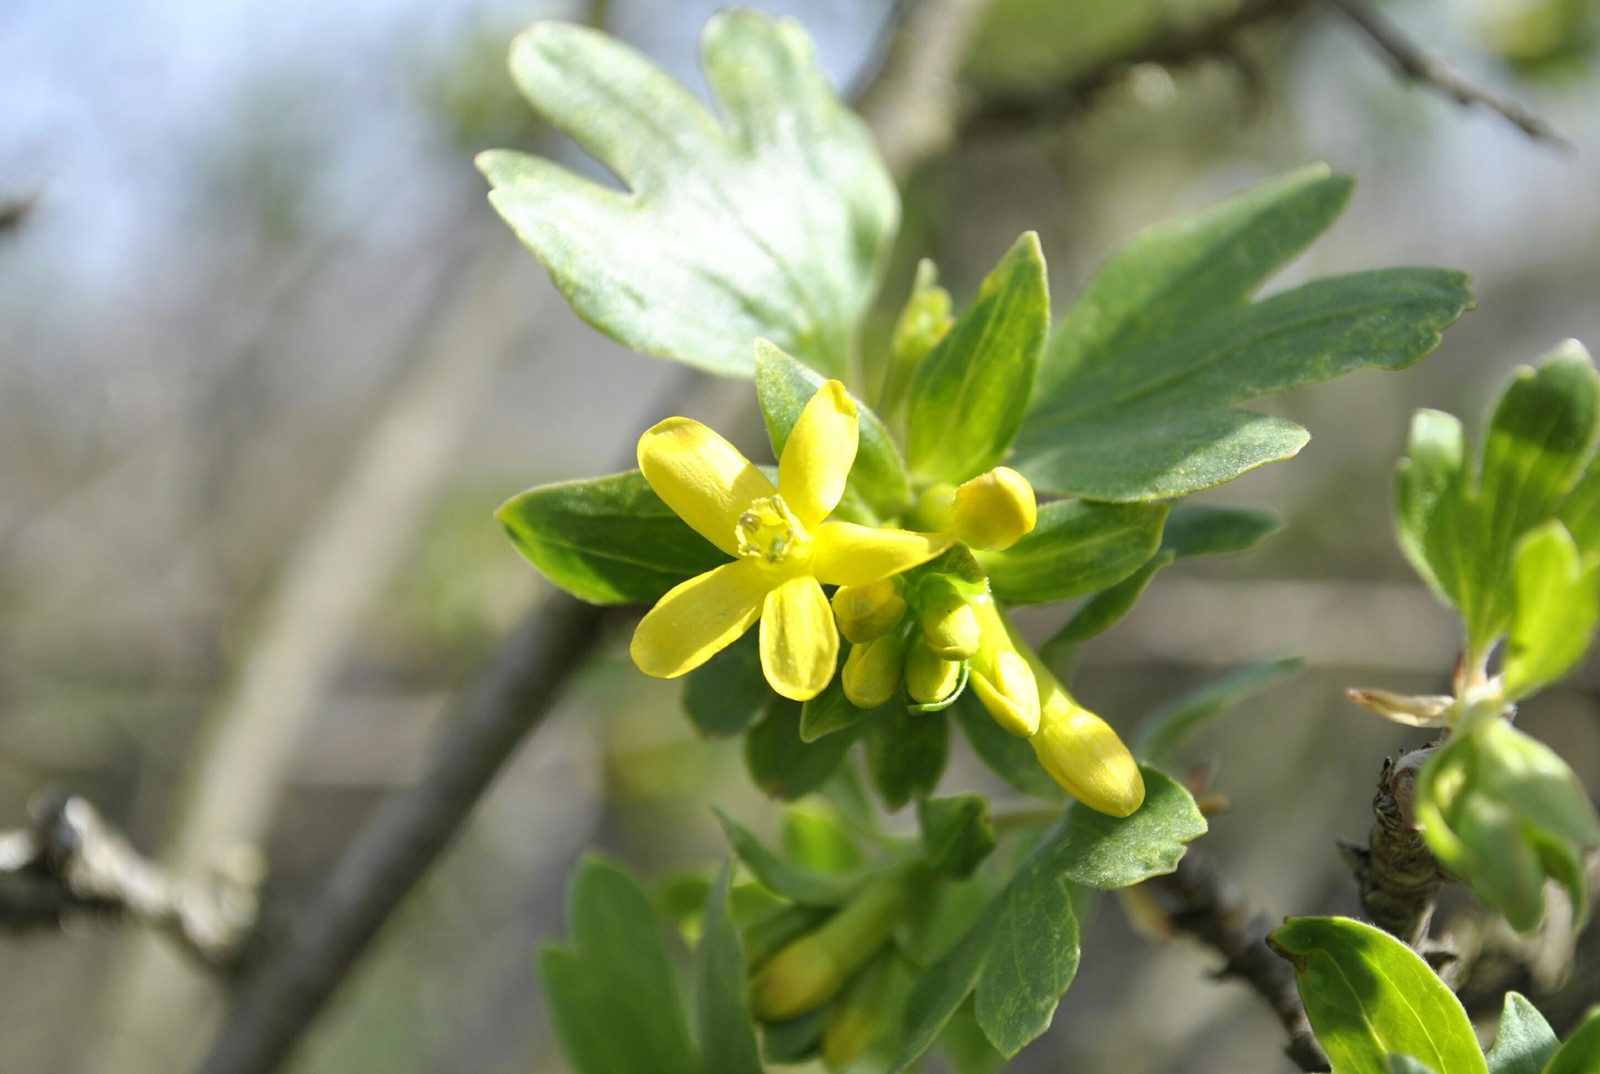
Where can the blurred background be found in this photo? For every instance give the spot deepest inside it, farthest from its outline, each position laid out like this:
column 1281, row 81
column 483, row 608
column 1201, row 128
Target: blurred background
column 268, row 362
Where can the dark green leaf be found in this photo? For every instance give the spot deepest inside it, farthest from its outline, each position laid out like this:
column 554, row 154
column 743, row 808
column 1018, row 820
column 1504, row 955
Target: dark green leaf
column 831, row 711
column 1524, row 1042
column 878, row 477
column 1006, row 755
column 968, row 396
column 1165, row 730
column 1106, row 852
column 783, row 765
column 1032, row 958
column 1158, row 420
column 727, row 1034
column 956, row 833
column 800, row 885
column 1077, row 547
column 1580, row 1053
column 794, row 1041
column 1370, row 996
column 728, row 693
column 771, row 222
column 906, row 753
column 609, row 540
column 965, row 1047
column 941, row 989
column 615, row 972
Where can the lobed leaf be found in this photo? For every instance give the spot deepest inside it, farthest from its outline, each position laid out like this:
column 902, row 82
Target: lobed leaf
column 607, row 540
column 1369, row 996
column 968, row 396
column 772, row 220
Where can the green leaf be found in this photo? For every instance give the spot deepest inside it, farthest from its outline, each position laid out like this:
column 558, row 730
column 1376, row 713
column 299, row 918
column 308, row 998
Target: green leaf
column 1156, row 419
column 615, row 972
column 608, row 540
column 832, row 711
column 816, row 833
column 878, row 477
column 1461, row 532
column 923, row 322
column 1370, row 996
column 906, row 753
column 1165, row 730
column 1580, row 1054
column 1006, row 755
column 781, row 763
column 956, row 833
column 1555, row 605
column 794, row 1041
column 1405, row 1064
column 798, row 884
column 1077, row 547
column 727, row 1034
column 728, row 693
column 1191, row 530
column 769, row 219
column 1100, row 851
column 1524, row 1042
column 1022, row 954
column 968, row 396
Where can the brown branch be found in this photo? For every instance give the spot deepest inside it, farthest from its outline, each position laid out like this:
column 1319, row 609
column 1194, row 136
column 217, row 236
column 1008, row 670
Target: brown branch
column 69, row 863
column 1171, row 48
column 1198, row 901
column 15, row 210
column 1399, row 875
column 1413, row 63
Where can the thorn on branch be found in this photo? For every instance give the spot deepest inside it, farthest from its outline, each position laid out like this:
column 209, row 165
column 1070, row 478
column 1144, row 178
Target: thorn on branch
column 1413, row 63
column 69, row 863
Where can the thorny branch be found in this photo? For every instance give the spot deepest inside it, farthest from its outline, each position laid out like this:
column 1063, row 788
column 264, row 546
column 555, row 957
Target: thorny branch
column 69, row 863
column 1197, row 901
column 1218, row 38
column 1399, row 875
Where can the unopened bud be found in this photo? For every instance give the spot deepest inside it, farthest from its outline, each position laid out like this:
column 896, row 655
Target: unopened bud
column 950, row 626
column 1007, row 689
column 1083, row 754
column 930, row 678
column 869, row 611
column 994, row 511
column 853, row 1018
column 872, row 671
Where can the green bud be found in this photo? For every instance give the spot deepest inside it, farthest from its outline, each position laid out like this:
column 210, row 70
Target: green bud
column 853, row 1018
column 930, row 677
column 866, row 612
column 813, row 969
column 872, row 671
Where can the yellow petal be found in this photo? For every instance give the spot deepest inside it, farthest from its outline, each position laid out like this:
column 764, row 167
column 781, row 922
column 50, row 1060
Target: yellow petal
column 799, row 643
column 1083, row 754
column 818, row 454
column 844, row 553
column 702, row 477
column 1005, row 686
column 699, row 618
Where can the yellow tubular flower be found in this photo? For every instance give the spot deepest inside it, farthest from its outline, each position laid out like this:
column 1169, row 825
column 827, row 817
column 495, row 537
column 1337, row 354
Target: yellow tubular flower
column 1002, row 678
column 1081, row 751
column 784, row 550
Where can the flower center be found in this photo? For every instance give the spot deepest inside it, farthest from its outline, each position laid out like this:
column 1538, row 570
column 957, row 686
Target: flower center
column 769, row 530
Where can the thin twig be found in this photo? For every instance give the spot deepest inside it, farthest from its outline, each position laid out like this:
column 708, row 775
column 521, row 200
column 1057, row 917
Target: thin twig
column 15, row 210
column 1412, row 62
column 68, row 862
column 1196, row 900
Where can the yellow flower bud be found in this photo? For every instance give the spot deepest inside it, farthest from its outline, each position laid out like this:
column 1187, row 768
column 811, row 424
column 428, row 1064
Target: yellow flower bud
column 995, row 510
column 1000, row 677
column 930, row 677
column 866, row 612
column 950, row 626
column 1083, row 754
column 872, row 671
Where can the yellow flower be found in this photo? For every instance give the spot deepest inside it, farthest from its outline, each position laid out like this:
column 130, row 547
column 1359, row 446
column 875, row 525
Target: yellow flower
column 784, row 551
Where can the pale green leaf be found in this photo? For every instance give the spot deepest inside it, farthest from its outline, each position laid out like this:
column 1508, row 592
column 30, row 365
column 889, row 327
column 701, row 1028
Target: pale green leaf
column 1555, row 605
column 615, row 972
column 727, row 1034
column 1369, row 996
column 968, row 396
column 770, row 218
column 608, row 540
column 1579, row 1053
column 1405, row 1064
column 1524, row 1042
